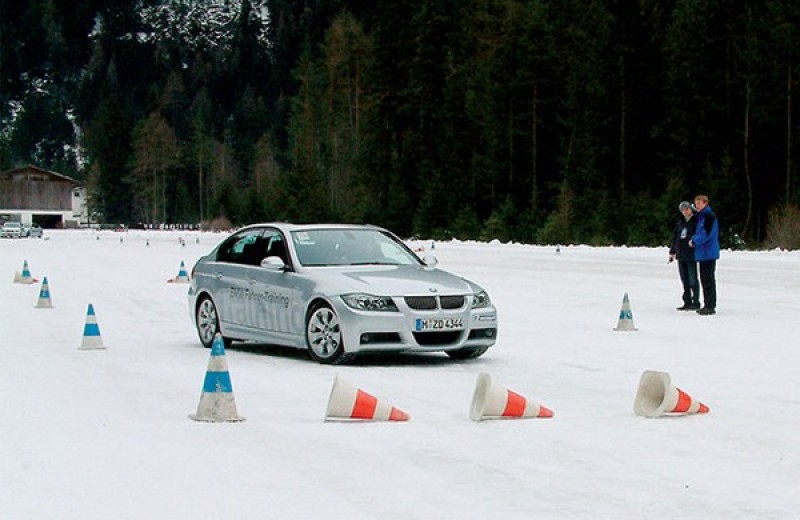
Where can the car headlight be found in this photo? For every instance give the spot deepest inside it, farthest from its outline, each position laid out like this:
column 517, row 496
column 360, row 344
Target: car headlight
column 480, row 300
column 368, row 302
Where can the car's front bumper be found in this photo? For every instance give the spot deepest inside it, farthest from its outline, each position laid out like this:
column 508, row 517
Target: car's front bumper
column 396, row 331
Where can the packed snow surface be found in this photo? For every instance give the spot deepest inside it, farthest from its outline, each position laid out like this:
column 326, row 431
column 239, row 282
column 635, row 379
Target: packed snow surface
column 100, row 434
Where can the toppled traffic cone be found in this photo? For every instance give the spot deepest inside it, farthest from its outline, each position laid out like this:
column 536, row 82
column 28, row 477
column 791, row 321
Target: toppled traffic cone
column 347, row 403
column 625, row 322
column 656, row 397
column 91, row 332
column 217, row 403
column 493, row 401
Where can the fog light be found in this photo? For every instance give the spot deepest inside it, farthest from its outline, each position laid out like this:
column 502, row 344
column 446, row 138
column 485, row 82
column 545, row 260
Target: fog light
column 482, row 333
column 380, row 337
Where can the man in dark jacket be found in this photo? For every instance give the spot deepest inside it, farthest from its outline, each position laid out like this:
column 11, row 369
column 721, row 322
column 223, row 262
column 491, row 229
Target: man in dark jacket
column 684, row 253
column 706, row 251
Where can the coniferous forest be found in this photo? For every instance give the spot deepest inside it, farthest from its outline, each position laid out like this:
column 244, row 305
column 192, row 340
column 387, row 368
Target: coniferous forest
column 542, row 121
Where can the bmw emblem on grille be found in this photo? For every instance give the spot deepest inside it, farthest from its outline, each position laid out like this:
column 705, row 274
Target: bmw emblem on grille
column 433, row 289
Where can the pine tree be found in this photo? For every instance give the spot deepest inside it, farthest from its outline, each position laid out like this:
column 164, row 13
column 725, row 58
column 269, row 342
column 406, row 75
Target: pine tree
column 155, row 153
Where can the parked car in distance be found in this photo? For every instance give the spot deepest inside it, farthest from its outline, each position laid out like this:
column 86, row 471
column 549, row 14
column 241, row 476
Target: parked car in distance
column 13, row 230
column 336, row 290
column 35, row 231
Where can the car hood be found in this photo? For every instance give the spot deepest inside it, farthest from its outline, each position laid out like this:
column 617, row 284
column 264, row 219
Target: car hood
column 394, row 280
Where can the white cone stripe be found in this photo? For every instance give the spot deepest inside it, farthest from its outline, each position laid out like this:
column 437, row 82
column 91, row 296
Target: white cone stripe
column 341, row 406
column 342, row 399
column 532, row 410
column 670, row 399
column 496, row 401
column 92, row 342
column 217, row 407
column 217, row 364
column 382, row 411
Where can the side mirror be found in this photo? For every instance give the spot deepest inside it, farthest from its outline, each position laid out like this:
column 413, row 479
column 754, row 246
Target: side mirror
column 430, row 261
column 273, row 263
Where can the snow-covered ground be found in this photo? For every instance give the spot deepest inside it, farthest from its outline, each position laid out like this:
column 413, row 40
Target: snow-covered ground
column 105, row 434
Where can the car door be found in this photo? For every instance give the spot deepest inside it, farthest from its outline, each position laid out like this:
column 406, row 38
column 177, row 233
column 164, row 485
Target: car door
column 275, row 291
column 235, row 279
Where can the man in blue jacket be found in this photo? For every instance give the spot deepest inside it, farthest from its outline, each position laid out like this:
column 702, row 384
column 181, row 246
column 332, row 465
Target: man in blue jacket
column 706, row 251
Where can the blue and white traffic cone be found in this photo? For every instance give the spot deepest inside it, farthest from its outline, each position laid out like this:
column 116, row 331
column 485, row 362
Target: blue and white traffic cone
column 183, row 276
column 216, row 402
column 91, row 332
column 625, row 322
column 25, row 277
column 44, row 301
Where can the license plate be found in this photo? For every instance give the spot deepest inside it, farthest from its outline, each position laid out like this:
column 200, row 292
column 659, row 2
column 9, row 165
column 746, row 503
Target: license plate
column 424, row 325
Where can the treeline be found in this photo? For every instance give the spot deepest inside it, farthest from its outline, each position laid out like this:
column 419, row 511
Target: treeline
column 552, row 121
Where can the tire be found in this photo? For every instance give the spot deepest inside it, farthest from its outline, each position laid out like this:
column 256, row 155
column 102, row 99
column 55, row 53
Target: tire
column 324, row 336
column 207, row 322
column 467, row 353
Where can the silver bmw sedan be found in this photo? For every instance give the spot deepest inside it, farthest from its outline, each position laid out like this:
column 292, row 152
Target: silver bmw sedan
column 336, row 290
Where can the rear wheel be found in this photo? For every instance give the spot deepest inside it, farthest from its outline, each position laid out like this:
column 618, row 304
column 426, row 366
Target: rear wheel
column 324, row 336
column 467, row 353
column 207, row 321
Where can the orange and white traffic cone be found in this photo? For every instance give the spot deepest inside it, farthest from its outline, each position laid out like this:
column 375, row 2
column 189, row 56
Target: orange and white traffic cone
column 348, row 403
column 493, row 401
column 657, row 396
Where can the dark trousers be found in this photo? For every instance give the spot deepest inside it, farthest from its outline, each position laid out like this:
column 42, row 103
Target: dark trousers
column 691, row 287
column 709, row 282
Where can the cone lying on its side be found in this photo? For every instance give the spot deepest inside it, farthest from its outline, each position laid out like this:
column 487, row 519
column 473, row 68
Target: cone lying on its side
column 44, row 301
column 656, row 397
column 493, row 401
column 182, row 277
column 347, row 403
column 91, row 332
column 217, row 403
column 625, row 315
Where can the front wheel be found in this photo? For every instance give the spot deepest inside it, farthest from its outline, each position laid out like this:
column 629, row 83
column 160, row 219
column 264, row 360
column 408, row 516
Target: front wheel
column 324, row 336
column 207, row 321
column 467, row 353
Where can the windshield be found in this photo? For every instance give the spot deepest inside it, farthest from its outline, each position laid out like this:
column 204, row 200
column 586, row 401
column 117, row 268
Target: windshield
column 324, row 247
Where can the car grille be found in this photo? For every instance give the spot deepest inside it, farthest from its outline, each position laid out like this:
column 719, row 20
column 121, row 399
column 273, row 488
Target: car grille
column 452, row 302
column 421, row 303
column 446, row 337
column 429, row 303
